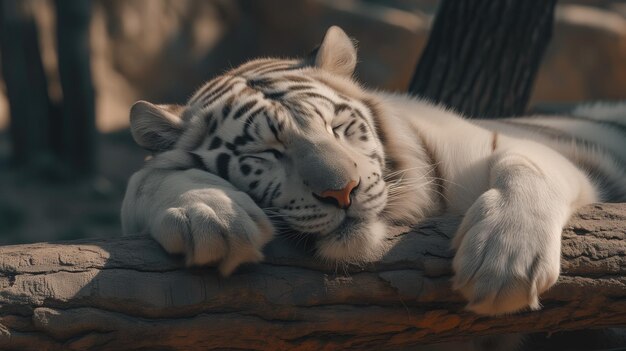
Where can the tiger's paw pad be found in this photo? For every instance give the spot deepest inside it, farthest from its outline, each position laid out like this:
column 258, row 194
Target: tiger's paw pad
column 218, row 232
column 505, row 261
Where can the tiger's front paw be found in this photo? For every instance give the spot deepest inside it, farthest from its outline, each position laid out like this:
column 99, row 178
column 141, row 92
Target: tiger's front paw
column 214, row 226
column 506, row 256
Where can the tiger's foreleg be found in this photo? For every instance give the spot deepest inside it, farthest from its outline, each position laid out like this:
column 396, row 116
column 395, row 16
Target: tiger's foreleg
column 196, row 214
column 508, row 245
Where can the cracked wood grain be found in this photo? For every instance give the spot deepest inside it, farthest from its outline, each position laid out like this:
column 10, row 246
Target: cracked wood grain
column 128, row 294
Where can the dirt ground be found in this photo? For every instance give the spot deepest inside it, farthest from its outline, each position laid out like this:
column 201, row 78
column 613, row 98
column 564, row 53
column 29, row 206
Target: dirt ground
column 39, row 207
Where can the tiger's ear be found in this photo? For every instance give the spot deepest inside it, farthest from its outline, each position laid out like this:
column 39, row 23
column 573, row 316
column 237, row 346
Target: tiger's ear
column 155, row 127
column 337, row 53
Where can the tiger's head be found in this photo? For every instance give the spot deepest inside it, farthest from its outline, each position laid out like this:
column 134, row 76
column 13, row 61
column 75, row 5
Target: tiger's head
column 299, row 136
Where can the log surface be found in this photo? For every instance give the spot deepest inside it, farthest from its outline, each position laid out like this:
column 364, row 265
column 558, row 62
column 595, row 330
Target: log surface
column 128, row 294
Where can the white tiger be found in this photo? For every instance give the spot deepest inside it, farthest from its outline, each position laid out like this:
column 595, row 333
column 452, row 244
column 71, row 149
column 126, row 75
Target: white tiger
column 301, row 144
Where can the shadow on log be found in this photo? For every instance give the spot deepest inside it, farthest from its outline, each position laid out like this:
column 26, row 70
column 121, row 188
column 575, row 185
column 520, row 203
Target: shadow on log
column 129, row 294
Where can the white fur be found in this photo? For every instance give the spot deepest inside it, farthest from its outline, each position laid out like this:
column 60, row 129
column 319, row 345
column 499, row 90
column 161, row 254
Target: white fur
column 516, row 200
column 603, row 111
column 515, row 188
column 197, row 214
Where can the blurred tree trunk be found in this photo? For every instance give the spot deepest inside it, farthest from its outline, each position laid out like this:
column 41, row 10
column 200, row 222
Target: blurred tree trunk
column 78, row 111
column 26, row 85
column 482, row 55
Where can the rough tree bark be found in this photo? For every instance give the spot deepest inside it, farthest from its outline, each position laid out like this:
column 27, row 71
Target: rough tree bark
column 127, row 294
column 482, row 55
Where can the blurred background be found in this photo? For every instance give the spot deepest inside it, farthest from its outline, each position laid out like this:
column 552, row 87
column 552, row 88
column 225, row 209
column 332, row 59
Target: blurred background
column 72, row 69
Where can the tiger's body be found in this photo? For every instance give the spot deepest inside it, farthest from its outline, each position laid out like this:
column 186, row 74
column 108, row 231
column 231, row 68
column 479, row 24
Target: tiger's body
column 298, row 143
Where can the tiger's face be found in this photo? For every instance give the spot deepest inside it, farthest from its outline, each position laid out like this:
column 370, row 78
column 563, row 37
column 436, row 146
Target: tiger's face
column 305, row 153
column 299, row 137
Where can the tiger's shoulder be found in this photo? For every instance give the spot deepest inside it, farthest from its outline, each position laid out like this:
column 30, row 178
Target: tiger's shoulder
column 592, row 136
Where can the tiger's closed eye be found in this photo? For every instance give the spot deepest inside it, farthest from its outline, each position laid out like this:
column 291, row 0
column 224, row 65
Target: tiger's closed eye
column 277, row 154
column 346, row 129
column 263, row 154
column 336, row 129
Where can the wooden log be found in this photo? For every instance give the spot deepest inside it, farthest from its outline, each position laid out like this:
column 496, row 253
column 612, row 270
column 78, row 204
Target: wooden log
column 128, row 294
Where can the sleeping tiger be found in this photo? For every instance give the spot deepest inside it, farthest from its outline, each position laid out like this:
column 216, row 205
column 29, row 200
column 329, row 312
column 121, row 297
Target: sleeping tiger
column 298, row 144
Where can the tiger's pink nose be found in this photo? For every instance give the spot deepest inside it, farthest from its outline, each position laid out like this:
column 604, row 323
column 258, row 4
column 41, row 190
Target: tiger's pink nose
column 342, row 196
